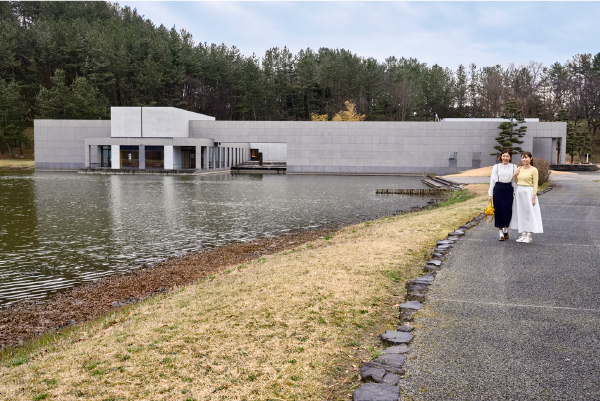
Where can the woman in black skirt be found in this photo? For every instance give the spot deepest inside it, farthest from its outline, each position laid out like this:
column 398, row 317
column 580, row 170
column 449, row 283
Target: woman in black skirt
column 502, row 186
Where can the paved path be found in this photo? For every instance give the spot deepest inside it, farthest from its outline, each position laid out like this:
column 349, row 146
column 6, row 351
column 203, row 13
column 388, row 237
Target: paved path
column 511, row 321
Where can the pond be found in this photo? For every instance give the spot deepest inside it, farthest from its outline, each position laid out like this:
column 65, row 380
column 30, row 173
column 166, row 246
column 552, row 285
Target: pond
column 62, row 229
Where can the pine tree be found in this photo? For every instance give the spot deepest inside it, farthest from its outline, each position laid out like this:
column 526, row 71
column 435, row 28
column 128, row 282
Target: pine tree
column 511, row 131
column 583, row 142
column 561, row 115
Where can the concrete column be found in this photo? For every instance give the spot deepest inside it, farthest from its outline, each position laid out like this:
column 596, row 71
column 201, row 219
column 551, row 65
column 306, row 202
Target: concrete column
column 177, row 157
column 115, row 156
column 88, row 156
column 168, row 157
column 142, row 157
column 563, row 150
column 553, row 152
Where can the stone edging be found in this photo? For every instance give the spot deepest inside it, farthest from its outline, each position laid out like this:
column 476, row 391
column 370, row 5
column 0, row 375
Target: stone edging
column 383, row 374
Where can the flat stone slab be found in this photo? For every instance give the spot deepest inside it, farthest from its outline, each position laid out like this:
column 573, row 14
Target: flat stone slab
column 394, row 360
column 406, row 329
column 430, row 269
column 372, row 371
column 434, row 262
column 416, row 305
column 391, row 378
column 376, row 392
column 415, row 297
column 445, row 242
column 397, row 336
column 452, row 238
column 423, row 280
column 457, row 232
column 396, row 349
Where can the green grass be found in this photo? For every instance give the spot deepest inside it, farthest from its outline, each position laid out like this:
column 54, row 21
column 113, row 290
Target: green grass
column 456, row 197
column 543, row 186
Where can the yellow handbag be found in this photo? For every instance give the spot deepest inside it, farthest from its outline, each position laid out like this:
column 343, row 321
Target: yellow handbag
column 489, row 211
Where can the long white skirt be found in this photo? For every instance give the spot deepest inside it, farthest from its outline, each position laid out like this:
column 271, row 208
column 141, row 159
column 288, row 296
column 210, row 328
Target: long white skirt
column 525, row 216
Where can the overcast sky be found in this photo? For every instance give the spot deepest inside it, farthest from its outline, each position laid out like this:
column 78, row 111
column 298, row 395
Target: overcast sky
column 444, row 33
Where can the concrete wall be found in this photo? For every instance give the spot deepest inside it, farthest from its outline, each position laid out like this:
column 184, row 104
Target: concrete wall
column 152, row 122
column 162, row 122
column 60, row 144
column 542, row 148
column 272, row 152
column 310, row 147
column 376, row 147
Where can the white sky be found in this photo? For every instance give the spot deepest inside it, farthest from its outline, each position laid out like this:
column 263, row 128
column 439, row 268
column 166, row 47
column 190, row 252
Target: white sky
column 444, row 33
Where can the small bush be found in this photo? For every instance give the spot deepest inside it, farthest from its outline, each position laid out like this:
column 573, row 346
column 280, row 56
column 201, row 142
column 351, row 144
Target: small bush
column 543, row 168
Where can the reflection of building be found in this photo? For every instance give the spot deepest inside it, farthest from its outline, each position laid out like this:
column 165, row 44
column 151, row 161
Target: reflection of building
column 170, row 138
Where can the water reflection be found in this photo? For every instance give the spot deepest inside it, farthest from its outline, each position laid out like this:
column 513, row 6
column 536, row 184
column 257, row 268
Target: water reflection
column 61, row 229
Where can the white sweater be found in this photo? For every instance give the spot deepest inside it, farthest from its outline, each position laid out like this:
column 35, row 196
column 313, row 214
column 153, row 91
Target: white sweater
column 502, row 173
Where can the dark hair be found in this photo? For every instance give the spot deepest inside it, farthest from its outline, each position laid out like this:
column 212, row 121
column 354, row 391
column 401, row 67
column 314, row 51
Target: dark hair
column 506, row 151
column 528, row 154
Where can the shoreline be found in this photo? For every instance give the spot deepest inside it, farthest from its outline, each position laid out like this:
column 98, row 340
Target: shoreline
column 26, row 320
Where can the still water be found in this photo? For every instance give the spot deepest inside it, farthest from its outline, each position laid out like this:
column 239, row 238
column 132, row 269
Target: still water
column 58, row 230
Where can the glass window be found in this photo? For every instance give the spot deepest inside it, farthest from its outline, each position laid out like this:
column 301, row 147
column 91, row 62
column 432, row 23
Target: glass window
column 210, row 157
column 155, row 157
column 130, row 156
column 106, row 154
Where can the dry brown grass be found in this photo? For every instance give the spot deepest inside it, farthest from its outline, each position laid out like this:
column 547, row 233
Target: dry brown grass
column 280, row 327
column 487, row 171
column 16, row 164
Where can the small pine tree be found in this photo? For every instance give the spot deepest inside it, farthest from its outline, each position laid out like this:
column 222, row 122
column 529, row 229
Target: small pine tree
column 583, row 142
column 571, row 141
column 510, row 131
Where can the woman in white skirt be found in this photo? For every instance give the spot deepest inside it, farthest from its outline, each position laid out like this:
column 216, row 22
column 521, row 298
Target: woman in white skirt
column 526, row 215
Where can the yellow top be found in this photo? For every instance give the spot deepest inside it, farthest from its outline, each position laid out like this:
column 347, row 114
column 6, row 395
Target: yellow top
column 528, row 177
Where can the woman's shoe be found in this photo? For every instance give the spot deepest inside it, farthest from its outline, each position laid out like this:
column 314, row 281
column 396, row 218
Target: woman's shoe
column 505, row 235
column 527, row 239
column 501, row 238
column 522, row 237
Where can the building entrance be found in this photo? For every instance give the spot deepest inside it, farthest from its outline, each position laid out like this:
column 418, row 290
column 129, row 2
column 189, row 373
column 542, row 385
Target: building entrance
column 189, row 156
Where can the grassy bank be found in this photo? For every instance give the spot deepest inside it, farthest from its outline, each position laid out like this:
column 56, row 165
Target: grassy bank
column 292, row 325
column 16, row 164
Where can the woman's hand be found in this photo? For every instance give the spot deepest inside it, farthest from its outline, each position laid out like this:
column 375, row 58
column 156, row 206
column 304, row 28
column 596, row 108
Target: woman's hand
column 533, row 200
column 490, row 199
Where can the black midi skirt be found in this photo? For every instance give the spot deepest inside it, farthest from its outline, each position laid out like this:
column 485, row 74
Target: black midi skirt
column 503, row 200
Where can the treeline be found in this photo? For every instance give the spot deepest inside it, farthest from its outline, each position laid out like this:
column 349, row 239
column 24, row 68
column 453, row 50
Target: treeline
column 76, row 59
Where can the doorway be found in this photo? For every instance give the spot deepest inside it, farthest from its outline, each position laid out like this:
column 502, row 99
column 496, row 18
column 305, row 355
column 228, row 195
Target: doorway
column 189, row 156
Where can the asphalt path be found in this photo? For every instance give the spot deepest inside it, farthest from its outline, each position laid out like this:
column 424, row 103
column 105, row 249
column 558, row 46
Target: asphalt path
column 513, row 321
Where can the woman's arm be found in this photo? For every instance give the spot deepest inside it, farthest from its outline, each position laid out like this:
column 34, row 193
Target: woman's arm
column 535, row 176
column 492, row 182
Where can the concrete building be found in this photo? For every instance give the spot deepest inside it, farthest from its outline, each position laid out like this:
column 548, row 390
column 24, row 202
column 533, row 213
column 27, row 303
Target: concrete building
column 170, row 138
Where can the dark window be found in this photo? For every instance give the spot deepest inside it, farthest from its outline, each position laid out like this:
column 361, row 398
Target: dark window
column 155, row 157
column 130, row 156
